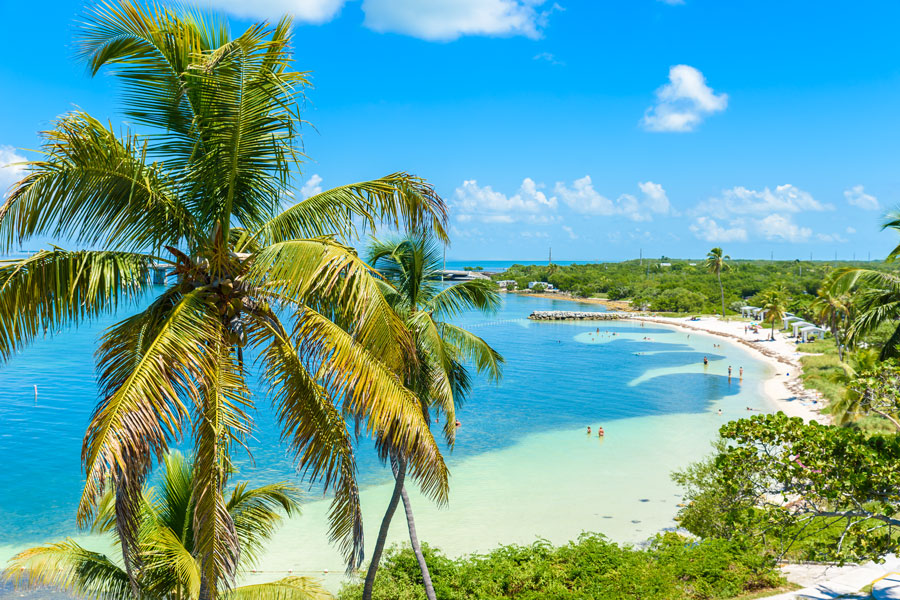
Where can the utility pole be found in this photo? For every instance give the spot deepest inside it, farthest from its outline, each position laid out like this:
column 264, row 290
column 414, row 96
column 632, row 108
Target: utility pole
column 772, row 255
column 550, row 258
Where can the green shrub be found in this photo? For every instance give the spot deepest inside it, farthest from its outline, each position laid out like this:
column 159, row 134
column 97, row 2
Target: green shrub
column 591, row 567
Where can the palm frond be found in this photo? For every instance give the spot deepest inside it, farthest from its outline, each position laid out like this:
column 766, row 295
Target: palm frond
column 478, row 294
column 94, row 188
column 289, row 588
column 257, row 512
column 149, row 363
column 167, row 564
column 221, row 420
column 56, row 287
column 69, row 568
column 371, row 391
column 398, row 199
column 316, row 432
column 248, row 121
column 332, row 279
column 473, row 348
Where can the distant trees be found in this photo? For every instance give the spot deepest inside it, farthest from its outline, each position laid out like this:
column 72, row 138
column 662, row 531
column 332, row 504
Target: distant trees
column 716, row 263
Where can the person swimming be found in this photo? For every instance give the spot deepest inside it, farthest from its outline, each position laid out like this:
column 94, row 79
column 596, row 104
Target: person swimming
column 720, row 411
column 589, row 430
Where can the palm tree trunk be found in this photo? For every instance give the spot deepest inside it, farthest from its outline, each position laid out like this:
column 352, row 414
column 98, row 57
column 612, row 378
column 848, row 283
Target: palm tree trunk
column 837, row 337
column 721, row 291
column 414, row 542
column 399, row 478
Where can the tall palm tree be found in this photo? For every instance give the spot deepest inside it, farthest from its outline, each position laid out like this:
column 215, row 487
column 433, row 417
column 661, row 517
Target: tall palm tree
column 773, row 301
column 439, row 375
column 206, row 193
column 169, row 566
column 716, row 262
column 833, row 306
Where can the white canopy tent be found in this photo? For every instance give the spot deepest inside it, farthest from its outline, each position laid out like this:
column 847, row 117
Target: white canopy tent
column 800, row 324
column 788, row 319
column 747, row 311
column 814, row 331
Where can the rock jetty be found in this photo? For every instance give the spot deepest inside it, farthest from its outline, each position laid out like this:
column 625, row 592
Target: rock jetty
column 572, row 315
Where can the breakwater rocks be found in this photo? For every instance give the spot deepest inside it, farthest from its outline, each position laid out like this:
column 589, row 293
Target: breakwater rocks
column 572, row 315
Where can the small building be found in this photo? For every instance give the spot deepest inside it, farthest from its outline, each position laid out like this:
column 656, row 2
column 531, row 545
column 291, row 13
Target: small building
column 507, row 284
column 546, row 286
column 665, row 264
column 747, row 311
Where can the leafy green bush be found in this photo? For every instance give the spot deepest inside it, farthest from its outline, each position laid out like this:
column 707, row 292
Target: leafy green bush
column 591, row 567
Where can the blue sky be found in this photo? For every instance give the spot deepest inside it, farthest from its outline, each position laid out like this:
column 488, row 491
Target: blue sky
column 600, row 128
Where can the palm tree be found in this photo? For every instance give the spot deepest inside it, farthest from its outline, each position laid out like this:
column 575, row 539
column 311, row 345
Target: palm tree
column 205, row 193
column 874, row 297
column 773, row 302
column 716, row 263
column 170, row 566
column 438, row 373
column 833, row 307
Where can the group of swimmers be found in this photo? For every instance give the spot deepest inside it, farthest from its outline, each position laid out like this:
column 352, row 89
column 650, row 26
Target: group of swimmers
column 600, row 432
column 740, row 370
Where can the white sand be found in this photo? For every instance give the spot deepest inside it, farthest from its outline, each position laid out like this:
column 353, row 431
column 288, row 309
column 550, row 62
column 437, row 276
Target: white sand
column 784, row 387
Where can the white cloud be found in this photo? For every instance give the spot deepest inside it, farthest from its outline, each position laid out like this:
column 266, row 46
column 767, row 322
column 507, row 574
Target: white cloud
column 571, row 232
column 309, row 11
column 9, row 173
column 682, row 103
column 474, row 202
column 857, row 196
column 781, row 227
column 742, row 201
column 435, row 20
column 550, row 58
column 535, row 234
column 656, row 199
column 444, row 20
column 583, row 198
column 830, row 237
column 311, row 187
column 707, row 229
column 850, row 230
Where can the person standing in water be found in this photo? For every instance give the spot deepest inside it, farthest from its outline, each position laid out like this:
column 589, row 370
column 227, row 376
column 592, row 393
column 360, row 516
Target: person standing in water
column 729, row 372
column 705, row 361
column 741, row 373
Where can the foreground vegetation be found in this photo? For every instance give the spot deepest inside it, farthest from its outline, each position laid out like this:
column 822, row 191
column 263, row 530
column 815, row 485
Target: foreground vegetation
column 591, row 567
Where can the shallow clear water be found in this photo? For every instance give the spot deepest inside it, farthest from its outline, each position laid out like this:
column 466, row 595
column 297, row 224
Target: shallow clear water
column 523, row 465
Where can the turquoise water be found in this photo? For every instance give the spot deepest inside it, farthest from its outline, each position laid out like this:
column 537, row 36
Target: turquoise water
column 523, row 465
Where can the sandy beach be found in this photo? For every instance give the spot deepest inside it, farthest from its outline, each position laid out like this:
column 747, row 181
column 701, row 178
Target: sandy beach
column 784, row 387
